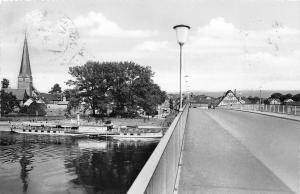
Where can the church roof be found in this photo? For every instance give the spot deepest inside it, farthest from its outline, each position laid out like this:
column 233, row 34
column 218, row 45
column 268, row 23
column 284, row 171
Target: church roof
column 25, row 69
column 20, row 94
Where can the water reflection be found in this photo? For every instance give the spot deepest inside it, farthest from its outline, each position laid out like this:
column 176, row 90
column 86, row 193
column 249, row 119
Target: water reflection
column 49, row 164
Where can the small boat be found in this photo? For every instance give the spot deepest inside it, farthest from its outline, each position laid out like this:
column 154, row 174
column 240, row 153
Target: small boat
column 44, row 128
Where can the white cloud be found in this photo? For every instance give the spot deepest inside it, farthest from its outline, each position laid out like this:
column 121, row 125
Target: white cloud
column 98, row 25
column 229, row 57
column 221, row 37
column 151, row 46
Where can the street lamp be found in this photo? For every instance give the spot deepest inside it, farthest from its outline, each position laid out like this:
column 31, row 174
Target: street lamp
column 260, row 98
column 187, row 87
column 181, row 34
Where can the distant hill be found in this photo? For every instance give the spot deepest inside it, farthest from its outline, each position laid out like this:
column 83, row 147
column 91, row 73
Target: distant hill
column 246, row 93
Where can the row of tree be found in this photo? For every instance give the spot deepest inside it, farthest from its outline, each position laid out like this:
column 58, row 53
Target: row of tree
column 125, row 86
column 281, row 97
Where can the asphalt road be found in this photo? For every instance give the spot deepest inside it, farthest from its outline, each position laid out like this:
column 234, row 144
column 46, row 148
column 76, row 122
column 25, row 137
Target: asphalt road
column 236, row 152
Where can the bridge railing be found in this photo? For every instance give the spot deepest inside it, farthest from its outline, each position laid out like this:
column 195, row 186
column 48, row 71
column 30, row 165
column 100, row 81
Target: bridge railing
column 272, row 108
column 159, row 174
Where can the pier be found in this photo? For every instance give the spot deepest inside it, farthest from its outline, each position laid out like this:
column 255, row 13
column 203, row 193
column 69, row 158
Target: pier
column 224, row 151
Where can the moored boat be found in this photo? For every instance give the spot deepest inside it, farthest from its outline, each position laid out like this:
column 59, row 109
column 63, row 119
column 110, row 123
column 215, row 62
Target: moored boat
column 135, row 132
column 134, row 135
column 107, row 131
column 44, row 128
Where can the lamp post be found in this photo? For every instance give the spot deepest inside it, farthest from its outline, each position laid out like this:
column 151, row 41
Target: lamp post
column 181, row 34
column 259, row 98
column 187, row 87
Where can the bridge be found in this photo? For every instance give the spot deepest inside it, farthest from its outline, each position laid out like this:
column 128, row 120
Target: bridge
column 231, row 150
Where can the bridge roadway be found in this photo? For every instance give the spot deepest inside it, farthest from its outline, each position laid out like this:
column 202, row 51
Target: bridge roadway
column 233, row 152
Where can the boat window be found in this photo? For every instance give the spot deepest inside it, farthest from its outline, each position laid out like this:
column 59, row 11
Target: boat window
column 125, row 133
column 42, row 131
column 35, row 130
column 54, row 131
column 131, row 133
column 48, row 131
column 24, row 130
column 29, row 130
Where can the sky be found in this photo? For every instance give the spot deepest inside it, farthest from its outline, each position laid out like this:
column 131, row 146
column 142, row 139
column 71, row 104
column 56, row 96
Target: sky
column 232, row 44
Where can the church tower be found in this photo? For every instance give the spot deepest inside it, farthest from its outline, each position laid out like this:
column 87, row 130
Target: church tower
column 25, row 77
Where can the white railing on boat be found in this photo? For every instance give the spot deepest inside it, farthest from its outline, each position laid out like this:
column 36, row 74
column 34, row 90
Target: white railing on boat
column 160, row 172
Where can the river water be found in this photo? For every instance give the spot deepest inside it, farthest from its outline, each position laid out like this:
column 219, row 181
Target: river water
column 40, row 164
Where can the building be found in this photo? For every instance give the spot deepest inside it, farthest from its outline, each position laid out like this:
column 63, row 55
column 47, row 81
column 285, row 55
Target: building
column 25, row 76
column 20, row 94
column 288, row 101
column 229, row 98
column 274, row 101
column 24, row 89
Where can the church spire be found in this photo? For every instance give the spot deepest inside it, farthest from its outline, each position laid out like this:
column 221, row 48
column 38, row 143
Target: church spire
column 25, row 77
column 25, row 69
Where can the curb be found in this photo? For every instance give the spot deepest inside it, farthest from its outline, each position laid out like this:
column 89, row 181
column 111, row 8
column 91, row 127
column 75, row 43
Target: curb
column 262, row 113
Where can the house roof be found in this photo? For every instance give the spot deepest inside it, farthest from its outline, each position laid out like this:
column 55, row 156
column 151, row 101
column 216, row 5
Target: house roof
column 289, row 100
column 229, row 91
column 28, row 102
column 50, row 97
column 20, row 94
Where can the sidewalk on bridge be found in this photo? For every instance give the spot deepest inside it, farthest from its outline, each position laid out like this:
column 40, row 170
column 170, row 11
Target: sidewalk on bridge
column 214, row 162
column 278, row 115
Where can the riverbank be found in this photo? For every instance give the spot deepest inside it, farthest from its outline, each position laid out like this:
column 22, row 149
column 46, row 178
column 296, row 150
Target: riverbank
column 158, row 122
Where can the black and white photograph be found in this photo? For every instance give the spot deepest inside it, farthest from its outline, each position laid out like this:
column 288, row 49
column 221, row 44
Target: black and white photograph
column 150, row 96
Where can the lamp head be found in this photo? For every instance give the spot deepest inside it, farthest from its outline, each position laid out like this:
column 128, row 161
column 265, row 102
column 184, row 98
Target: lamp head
column 181, row 33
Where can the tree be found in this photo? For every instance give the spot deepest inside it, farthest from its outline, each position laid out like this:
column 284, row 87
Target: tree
column 253, row 100
column 124, row 85
column 73, row 97
column 93, row 82
column 276, row 95
column 56, row 89
column 4, row 83
column 8, row 102
column 296, row 97
column 286, row 96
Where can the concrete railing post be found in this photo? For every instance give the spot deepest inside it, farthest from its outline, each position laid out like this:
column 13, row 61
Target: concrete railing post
column 295, row 110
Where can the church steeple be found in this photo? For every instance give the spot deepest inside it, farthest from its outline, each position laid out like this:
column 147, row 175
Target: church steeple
column 25, row 69
column 25, row 76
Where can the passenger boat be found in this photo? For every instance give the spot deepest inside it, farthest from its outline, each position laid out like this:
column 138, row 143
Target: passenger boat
column 107, row 131
column 134, row 135
column 44, row 128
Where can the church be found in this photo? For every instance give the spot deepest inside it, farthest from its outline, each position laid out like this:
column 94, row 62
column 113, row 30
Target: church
column 31, row 100
column 25, row 86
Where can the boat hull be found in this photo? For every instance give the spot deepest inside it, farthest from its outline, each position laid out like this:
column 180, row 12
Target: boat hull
column 44, row 132
column 134, row 135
